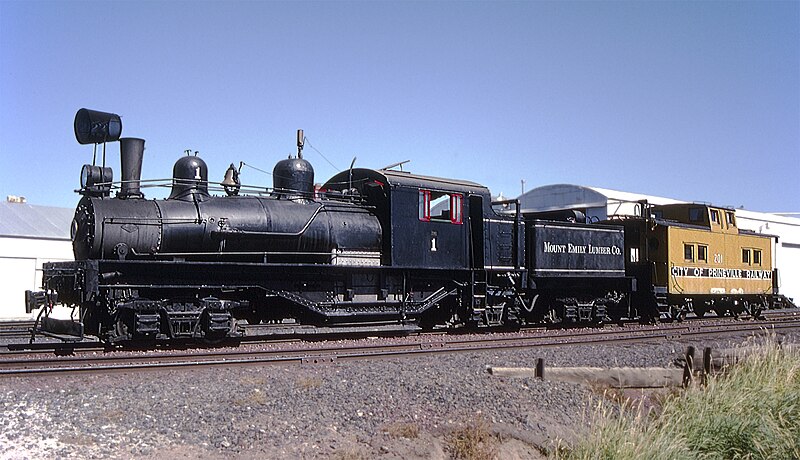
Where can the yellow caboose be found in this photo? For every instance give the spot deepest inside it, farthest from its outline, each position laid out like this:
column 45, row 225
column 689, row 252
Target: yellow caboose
column 693, row 257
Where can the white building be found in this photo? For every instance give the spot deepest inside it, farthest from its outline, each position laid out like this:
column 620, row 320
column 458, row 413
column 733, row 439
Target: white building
column 29, row 235
column 599, row 203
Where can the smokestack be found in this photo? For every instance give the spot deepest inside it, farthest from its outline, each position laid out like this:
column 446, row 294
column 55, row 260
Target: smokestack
column 131, row 152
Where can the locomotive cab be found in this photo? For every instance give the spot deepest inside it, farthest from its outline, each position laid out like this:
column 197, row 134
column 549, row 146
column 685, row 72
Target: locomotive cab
column 427, row 222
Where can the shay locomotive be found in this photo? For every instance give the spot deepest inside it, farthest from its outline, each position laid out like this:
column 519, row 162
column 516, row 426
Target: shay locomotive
column 369, row 246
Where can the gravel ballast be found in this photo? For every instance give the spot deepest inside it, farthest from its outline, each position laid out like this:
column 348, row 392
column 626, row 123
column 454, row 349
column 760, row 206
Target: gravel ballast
column 383, row 408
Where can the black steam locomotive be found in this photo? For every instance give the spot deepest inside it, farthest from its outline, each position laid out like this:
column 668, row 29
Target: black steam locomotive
column 368, row 246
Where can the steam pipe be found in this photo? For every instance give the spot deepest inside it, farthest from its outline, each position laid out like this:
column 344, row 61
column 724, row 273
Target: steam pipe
column 131, row 151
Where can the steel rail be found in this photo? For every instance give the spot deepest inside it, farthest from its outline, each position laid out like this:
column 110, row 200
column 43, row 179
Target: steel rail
column 276, row 333
column 447, row 337
column 21, row 328
column 333, row 354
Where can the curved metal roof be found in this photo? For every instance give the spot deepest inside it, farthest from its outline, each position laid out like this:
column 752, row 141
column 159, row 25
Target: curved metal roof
column 22, row 220
column 569, row 196
column 360, row 176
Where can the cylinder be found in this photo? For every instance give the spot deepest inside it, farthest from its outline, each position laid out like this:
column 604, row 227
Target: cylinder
column 131, row 153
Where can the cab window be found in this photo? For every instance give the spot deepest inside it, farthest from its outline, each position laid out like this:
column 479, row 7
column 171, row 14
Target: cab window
column 456, row 216
column 425, row 205
column 440, row 206
column 746, row 256
column 756, row 256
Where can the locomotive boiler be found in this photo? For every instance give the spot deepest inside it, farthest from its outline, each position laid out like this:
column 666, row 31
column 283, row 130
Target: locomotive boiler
column 194, row 225
column 367, row 247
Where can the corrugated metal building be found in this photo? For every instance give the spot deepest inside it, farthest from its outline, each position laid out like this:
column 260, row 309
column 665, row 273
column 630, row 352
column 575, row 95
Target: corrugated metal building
column 599, row 203
column 29, row 235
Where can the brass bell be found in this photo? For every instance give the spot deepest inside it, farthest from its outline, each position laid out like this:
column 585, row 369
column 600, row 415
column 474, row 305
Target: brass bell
column 231, row 182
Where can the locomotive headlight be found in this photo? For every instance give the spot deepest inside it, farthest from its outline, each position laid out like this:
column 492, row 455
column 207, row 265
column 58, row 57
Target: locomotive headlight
column 85, row 172
column 96, row 180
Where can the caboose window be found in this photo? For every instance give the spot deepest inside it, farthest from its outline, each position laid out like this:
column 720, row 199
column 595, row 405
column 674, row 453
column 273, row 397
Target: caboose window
column 730, row 218
column 756, row 256
column 715, row 216
column 688, row 252
column 746, row 256
column 702, row 253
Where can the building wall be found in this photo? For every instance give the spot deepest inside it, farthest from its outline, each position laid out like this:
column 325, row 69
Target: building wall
column 786, row 248
column 21, row 269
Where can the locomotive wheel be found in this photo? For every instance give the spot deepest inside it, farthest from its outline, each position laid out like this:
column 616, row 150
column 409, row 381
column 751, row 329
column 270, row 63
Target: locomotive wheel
column 252, row 318
column 121, row 330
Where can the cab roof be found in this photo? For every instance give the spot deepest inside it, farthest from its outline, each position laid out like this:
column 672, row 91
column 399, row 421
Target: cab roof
column 359, row 177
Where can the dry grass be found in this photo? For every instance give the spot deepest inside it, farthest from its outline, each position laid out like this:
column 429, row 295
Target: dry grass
column 649, row 401
column 110, row 416
column 253, row 381
column 751, row 412
column 349, row 454
column 473, row 441
column 255, row 398
column 309, row 383
column 403, row 430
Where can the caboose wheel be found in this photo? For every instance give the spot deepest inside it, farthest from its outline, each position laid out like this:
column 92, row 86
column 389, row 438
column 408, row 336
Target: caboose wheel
column 676, row 313
column 753, row 309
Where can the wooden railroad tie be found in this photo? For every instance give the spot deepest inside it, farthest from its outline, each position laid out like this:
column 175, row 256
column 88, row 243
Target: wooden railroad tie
column 634, row 377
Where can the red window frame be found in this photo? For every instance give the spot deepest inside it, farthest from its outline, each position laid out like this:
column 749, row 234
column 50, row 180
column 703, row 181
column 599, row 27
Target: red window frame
column 456, row 207
column 425, row 205
column 456, row 210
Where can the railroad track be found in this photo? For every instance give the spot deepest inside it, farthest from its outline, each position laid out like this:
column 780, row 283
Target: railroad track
column 331, row 353
column 15, row 329
column 272, row 333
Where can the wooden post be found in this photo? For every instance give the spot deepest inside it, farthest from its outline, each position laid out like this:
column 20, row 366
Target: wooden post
column 688, row 367
column 707, row 365
column 540, row 368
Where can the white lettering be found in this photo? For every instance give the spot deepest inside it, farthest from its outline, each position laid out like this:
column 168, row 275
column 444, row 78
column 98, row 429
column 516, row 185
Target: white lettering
column 554, row 248
column 732, row 273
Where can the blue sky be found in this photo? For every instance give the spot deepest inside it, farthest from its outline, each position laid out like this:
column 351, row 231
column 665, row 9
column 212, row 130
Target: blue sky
column 691, row 100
